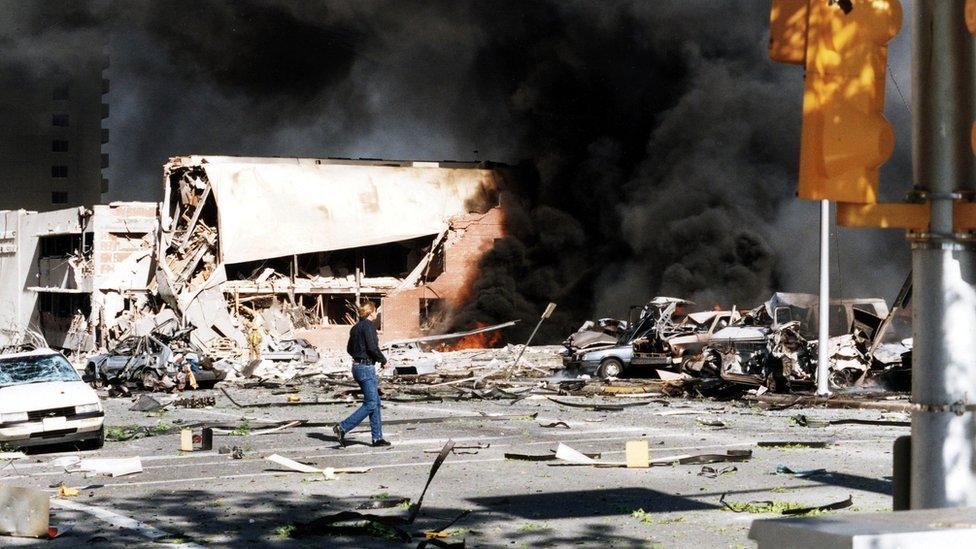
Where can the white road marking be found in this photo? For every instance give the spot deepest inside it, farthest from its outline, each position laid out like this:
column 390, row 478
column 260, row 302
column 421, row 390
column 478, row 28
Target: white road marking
column 424, row 463
column 121, row 521
column 191, row 459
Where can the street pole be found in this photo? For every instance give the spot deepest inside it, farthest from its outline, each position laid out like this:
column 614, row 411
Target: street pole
column 943, row 447
column 823, row 351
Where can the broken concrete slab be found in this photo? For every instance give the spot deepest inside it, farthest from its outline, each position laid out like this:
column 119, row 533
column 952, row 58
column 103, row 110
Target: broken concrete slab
column 113, row 467
column 24, row 512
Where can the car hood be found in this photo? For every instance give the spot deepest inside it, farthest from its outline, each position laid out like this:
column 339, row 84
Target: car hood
column 41, row 396
column 740, row 333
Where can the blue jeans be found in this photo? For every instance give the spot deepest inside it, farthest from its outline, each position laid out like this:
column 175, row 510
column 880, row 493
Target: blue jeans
column 365, row 376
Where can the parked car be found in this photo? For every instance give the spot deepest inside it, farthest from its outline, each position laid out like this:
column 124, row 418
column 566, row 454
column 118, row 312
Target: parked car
column 44, row 401
column 146, row 361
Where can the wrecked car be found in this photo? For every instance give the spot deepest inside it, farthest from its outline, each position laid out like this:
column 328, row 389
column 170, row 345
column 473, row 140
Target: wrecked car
column 298, row 350
column 771, row 356
column 654, row 340
column 147, row 362
column 44, row 401
column 776, row 344
column 603, row 333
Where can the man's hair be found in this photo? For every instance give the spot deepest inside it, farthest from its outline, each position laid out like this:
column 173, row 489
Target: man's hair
column 366, row 309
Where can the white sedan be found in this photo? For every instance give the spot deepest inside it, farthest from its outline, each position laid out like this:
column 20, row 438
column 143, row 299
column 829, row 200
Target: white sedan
column 44, row 401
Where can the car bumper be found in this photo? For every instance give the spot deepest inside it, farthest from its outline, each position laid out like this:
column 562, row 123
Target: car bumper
column 36, row 433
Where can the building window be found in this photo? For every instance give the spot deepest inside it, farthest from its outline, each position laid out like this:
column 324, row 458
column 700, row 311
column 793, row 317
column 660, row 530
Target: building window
column 59, row 197
column 59, row 145
column 60, row 120
column 60, row 93
column 59, row 171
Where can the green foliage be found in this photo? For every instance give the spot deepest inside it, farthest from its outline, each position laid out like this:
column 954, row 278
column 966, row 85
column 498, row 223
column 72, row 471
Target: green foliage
column 529, row 527
column 243, row 430
column 648, row 518
column 284, row 531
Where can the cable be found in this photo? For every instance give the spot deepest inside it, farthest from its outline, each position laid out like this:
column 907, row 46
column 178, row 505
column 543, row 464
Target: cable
column 891, row 74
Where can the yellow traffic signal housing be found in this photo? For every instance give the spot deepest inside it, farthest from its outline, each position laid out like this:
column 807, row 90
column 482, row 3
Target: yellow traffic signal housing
column 845, row 137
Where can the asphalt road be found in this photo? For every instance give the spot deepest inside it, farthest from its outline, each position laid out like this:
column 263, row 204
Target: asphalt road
column 210, row 499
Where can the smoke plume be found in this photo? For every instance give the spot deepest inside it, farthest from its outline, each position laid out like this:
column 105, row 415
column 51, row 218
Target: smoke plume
column 656, row 144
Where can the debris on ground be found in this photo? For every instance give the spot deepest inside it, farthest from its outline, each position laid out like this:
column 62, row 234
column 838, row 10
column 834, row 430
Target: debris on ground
column 24, row 512
column 113, row 467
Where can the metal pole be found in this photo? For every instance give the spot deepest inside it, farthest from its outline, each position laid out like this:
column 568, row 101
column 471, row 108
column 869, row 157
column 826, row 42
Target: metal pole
column 943, row 447
column 545, row 314
column 823, row 351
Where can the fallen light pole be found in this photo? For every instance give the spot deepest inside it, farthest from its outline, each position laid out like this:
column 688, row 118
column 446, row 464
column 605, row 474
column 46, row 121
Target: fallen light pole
column 545, row 314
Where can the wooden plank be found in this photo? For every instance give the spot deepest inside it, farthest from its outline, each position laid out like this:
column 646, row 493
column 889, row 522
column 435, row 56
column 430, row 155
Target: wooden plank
column 193, row 220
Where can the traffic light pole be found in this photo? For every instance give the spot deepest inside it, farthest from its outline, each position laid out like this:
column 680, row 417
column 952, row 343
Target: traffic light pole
column 943, row 462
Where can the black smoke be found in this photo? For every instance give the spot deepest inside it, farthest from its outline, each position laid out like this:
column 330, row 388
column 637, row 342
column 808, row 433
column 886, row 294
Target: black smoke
column 656, row 144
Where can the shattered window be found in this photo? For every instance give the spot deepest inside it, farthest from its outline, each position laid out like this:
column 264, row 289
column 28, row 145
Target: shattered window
column 22, row 370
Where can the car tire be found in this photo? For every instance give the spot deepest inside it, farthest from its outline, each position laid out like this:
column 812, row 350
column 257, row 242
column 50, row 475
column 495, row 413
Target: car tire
column 611, row 367
column 149, row 380
column 94, row 443
column 97, row 381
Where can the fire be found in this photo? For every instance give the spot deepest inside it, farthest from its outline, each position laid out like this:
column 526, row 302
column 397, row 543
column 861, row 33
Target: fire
column 484, row 340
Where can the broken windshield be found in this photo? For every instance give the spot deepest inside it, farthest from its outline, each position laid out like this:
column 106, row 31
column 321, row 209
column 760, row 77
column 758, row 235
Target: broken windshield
column 22, row 370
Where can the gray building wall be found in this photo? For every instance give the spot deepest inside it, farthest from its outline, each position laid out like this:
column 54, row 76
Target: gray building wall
column 45, row 111
column 41, row 289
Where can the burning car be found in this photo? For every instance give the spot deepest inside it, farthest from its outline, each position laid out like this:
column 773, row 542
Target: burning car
column 43, row 401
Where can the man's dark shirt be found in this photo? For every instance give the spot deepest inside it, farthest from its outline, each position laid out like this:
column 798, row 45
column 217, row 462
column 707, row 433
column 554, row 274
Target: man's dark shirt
column 364, row 344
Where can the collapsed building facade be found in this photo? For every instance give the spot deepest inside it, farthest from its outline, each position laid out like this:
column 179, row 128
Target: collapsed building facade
column 293, row 245
column 288, row 245
column 77, row 276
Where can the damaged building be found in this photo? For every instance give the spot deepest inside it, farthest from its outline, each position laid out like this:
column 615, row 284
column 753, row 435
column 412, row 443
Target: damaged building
column 291, row 245
column 76, row 276
column 286, row 246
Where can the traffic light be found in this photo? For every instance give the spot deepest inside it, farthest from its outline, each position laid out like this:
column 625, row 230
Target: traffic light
column 970, row 15
column 845, row 137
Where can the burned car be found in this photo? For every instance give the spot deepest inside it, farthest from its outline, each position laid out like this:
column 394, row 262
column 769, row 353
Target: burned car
column 43, row 401
column 605, row 332
column 776, row 345
column 298, row 350
column 654, row 341
column 150, row 362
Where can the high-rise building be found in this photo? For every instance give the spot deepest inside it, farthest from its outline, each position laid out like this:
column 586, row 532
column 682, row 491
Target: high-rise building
column 51, row 134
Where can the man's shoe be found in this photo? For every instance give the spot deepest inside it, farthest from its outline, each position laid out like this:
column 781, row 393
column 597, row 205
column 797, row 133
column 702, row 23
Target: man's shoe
column 380, row 442
column 340, row 435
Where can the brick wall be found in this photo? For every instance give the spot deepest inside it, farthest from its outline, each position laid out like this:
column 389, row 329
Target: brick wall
column 473, row 235
column 470, row 237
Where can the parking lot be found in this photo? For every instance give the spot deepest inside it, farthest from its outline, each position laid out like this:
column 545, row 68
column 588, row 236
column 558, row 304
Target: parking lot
column 211, row 499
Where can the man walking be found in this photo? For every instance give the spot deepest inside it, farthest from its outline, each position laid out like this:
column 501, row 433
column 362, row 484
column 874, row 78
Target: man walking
column 364, row 348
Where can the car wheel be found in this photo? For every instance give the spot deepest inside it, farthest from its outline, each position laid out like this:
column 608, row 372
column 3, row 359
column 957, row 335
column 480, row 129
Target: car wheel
column 94, row 443
column 610, row 367
column 777, row 383
column 149, row 379
column 97, row 381
column 840, row 379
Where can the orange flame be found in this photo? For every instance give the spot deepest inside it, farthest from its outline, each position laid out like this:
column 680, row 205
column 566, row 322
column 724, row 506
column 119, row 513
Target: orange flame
column 484, row 340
